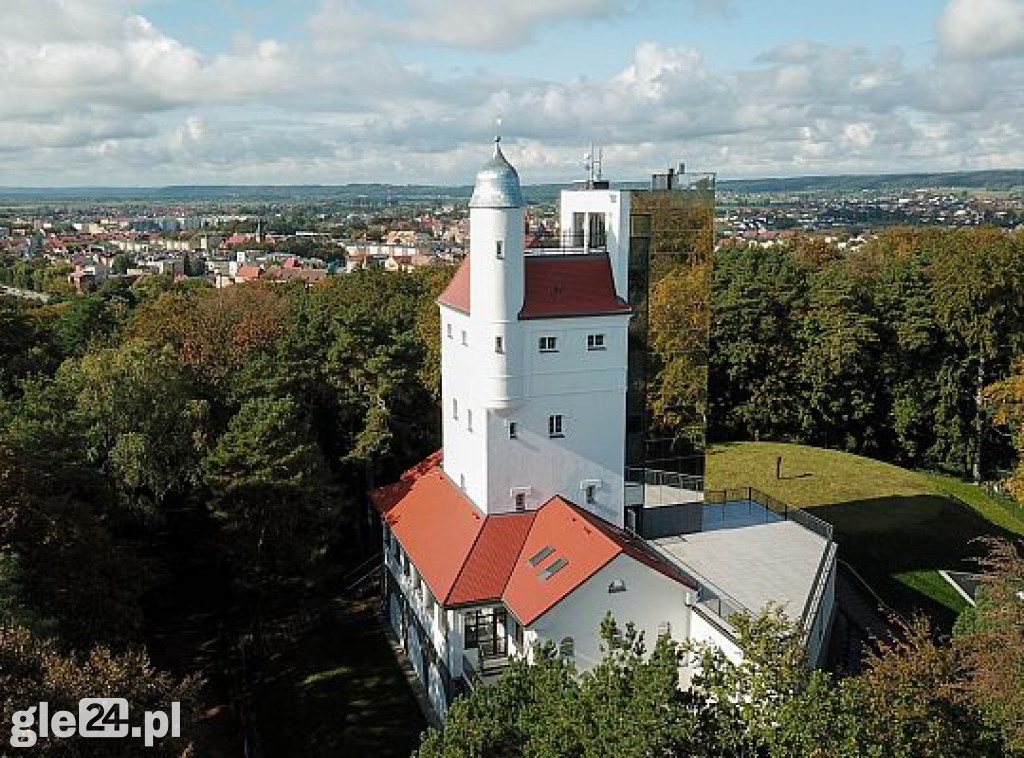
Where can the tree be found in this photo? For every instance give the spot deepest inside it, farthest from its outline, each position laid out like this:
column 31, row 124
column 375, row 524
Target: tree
column 979, row 292
column 34, row 670
column 268, row 482
column 1007, row 400
column 991, row 639
column 64, row 570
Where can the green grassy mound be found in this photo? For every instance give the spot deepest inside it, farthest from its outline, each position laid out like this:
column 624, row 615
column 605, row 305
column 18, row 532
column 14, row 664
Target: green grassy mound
column 896, row 527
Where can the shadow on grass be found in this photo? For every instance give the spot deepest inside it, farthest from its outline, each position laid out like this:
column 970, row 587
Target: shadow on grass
column 885, row 537
column 339, row 692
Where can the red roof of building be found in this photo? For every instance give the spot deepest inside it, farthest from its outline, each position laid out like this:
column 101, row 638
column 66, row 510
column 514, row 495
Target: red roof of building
column 456, row 294
column 555, row 286
column 490, row 563
column 570, row 285
column 435, row 523
column 466, row 557
column 248, row 272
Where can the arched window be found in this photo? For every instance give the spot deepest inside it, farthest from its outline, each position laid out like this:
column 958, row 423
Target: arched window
column 567, row 648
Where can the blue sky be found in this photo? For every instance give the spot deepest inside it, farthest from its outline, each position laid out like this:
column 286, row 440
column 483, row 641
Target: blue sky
column 144, row 92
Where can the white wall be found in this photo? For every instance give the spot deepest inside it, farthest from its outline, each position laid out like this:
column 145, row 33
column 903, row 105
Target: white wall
column 615, row 205
column 650, row 599
column 465, row 451
column 588, row 389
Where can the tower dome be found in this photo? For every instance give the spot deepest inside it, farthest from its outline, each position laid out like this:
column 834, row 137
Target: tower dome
column 497, row 183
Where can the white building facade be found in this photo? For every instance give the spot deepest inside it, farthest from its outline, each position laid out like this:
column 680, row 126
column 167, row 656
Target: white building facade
column 514, row 534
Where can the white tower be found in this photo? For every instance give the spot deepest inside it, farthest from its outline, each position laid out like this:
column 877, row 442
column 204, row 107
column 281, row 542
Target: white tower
column 533, row 364
column 497, row 238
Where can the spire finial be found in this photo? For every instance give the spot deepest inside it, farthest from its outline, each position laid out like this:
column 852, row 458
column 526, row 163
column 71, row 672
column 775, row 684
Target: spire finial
column 497, row 130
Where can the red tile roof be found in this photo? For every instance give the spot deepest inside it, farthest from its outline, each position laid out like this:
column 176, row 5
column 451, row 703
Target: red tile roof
column 555, row 286
column 437, row 525
column 248, row 272
column 570, row 285
column 490, row 563
column 465, row 557
column 456, row 294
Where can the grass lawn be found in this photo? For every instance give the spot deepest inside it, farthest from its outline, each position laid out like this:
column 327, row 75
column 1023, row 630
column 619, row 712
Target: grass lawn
column 896, row 527
column 339, row 692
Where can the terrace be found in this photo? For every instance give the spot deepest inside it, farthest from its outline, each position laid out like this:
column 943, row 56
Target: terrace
column 745, row 548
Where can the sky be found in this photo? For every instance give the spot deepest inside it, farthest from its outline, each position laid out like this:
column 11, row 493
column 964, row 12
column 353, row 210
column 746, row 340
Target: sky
column 158, row 92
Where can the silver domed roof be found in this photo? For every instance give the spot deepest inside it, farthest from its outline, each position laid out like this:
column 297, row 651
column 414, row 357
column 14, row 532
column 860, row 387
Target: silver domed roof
column 497, row 183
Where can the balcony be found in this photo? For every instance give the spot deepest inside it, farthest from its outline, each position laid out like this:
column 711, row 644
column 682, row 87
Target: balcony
column 567, row 243
column 481, row 670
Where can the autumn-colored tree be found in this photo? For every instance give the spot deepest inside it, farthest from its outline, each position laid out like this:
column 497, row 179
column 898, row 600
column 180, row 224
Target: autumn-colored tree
column 35, row 670
column 1007, row 400
column 991, row 638
column 214, row 332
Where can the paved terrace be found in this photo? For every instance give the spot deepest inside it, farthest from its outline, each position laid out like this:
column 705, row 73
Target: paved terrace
column 751, row 554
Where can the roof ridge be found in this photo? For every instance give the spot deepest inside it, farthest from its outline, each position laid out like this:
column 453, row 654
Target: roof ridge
column 522, row 545
column 465, row 560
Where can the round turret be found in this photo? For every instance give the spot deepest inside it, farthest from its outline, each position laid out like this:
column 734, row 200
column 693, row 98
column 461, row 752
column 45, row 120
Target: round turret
column 497, row 183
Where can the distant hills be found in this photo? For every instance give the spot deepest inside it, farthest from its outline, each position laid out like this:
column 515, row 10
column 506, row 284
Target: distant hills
column 997, row 180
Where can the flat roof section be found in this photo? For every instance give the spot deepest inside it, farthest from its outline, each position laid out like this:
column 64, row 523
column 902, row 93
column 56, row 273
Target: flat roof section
column 768, row 562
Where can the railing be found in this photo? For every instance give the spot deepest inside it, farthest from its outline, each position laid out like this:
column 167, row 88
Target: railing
column 570, row 242
column 770, row 505
column 477, row 667
column 656, row 478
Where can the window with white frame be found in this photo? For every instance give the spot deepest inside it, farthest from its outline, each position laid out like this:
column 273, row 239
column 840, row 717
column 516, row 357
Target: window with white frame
column 567, row 648
column 595, row 342
column 520, row 501
column 555, row 428
column 590, row 492
column 513, row 430
column 548, row 344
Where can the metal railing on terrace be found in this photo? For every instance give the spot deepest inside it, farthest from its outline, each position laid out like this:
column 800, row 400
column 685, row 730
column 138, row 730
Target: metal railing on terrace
column 568, row 242
column 769, row 506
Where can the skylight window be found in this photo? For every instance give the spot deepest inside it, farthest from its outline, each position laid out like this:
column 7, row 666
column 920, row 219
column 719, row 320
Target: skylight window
column 554, row 568
column 544, row 553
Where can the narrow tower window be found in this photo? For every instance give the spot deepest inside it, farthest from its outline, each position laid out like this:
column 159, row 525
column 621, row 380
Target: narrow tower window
column 469, row 419
column 465, row 338
column 455, row 409
column 590, row 493
column 449, row 331
column 555, row 425
column 499, row 250
column 513, row 430
column 499, row 345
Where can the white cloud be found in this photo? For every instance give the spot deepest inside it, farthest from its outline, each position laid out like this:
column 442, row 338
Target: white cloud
column 979, row 29
column 102, row 95
column 348, row 24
